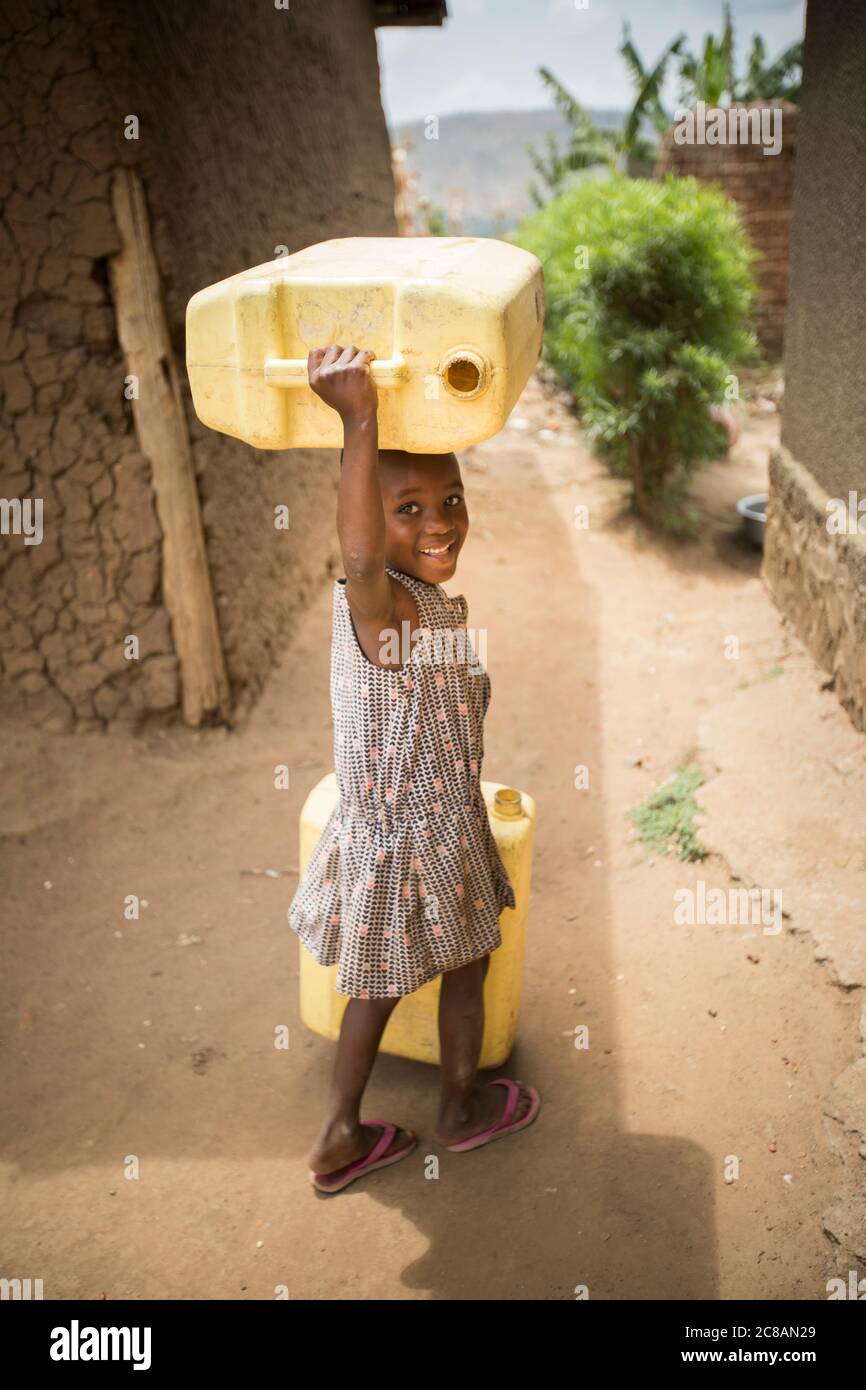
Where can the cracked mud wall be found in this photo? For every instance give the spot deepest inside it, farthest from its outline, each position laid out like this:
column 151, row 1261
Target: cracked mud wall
column 69, row 601
column 258, row 128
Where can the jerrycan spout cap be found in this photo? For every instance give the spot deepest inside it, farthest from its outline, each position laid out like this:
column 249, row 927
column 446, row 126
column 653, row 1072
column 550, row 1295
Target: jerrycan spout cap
column 508, row 803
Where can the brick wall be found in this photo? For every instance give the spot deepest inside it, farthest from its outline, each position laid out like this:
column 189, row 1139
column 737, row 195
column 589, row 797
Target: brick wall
column 762, row 188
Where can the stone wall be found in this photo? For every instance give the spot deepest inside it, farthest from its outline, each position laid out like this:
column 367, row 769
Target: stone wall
column 762, row 188
column 257, row 128
column 817, row 577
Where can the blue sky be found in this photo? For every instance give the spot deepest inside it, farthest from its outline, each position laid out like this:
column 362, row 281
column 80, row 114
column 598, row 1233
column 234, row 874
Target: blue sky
column 485, row 56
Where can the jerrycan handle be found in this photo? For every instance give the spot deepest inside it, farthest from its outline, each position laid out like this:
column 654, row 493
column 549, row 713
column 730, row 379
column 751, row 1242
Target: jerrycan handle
column 292, row 371
column 464, row 371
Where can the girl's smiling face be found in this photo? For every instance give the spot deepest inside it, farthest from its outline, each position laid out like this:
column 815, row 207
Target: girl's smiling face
column 425, row 513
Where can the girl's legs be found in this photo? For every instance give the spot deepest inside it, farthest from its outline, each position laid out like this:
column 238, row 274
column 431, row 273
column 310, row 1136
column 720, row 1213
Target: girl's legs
column 465, row 1107
column 342, row 1138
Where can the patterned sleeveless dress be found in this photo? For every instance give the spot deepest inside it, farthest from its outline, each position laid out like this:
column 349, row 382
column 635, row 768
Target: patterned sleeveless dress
column 406, row 880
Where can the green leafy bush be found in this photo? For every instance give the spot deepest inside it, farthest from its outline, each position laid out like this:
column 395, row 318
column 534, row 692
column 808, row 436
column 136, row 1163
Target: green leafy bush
column 648, row 289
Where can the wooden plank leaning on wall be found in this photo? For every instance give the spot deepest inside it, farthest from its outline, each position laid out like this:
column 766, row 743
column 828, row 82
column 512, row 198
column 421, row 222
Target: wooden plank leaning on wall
column 160, row 425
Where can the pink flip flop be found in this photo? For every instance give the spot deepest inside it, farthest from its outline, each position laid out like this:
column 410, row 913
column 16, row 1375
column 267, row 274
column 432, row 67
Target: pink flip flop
column 502, row 1126
column 341, row 1177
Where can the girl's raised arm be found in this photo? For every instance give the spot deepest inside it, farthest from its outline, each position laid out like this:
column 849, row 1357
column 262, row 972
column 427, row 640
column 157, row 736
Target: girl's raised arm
column 341, row 377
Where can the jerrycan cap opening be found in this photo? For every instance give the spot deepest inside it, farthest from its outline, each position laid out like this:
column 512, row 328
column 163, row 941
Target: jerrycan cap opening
column 508, row 803
column 465, row 373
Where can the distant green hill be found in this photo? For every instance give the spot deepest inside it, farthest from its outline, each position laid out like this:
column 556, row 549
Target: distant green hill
column 479, row 165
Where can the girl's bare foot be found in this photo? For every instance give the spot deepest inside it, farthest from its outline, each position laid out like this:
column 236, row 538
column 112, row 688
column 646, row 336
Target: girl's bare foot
column 463, row 1119
column 340, row 1144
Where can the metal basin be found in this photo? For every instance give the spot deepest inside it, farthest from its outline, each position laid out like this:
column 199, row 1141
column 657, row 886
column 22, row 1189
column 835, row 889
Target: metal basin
column 753, row 510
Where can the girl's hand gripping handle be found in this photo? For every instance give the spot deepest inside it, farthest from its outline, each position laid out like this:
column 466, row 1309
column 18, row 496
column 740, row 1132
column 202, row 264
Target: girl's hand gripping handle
column 341, row 377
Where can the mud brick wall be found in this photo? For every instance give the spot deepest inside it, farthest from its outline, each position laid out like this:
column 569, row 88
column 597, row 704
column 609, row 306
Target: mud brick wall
column 762, row 188
column 258, row 128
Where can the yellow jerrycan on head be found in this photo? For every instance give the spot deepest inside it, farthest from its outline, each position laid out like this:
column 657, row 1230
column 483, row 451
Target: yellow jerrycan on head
column 412, row 1029
column 455, row 323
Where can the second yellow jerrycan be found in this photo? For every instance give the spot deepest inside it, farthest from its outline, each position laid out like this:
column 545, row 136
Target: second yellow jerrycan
column 455, row 323
column 412, row 1029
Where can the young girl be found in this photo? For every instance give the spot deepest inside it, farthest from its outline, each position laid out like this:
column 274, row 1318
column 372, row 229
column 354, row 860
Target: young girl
column 406, row 882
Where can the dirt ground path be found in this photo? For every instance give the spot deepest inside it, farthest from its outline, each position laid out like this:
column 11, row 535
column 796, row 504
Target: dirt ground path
column 154, row 1137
